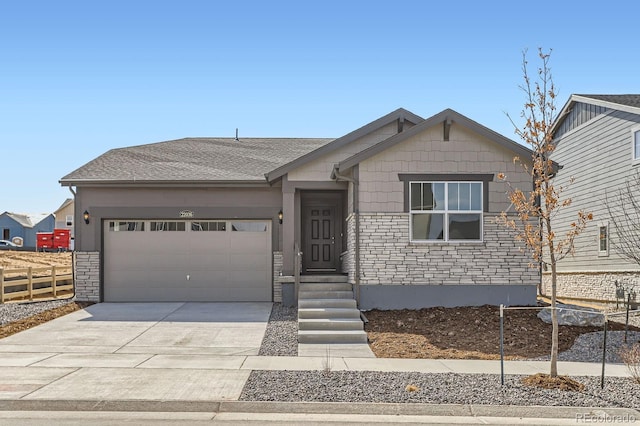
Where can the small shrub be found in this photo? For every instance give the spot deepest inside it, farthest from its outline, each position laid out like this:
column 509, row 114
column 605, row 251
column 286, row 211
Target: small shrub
column 631, row 357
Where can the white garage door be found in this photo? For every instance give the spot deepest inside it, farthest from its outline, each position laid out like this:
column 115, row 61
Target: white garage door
column 208, row 261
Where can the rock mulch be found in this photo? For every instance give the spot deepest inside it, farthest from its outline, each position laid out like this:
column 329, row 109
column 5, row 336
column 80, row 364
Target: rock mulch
column 281, row 337
column 385, row 387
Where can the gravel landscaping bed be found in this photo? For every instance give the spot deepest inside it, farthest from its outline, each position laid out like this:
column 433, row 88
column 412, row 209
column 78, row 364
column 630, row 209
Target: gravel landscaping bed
column 358, row 386
column 281, row 337
column 588, row 347
column 10, row 312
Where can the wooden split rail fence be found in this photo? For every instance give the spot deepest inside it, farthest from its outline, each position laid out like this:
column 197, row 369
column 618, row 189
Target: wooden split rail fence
column 27, row 283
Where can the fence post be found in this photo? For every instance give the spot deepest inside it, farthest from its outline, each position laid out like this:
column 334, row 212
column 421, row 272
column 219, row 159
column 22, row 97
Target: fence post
column 30, row 282
column 1, row 285
column 501, row 344
column 53, row 280
column 604, row 350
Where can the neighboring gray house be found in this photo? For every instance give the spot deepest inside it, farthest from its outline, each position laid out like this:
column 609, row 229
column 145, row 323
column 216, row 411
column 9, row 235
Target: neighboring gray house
column 598, row 145
column 25, row 226
column 403, row 206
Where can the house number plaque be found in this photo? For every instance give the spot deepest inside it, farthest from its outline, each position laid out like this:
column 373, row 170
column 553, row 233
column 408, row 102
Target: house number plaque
column 186, row 213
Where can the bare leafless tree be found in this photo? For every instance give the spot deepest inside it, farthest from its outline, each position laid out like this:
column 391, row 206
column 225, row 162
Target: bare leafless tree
column 536, row 208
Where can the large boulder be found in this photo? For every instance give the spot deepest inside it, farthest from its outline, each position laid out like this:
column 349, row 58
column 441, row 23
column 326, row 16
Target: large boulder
column 574, row 315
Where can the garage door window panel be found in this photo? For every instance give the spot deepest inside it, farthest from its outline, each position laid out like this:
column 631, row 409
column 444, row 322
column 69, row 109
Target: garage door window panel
column 167, row 226
column 208, row 226
column 249, row 226
column 126, row 226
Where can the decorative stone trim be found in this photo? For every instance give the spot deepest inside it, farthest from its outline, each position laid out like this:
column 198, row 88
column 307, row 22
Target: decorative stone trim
column 278, row 279
column 86, row 266
column 596, row 286
column 348, row 261
column 387, row 257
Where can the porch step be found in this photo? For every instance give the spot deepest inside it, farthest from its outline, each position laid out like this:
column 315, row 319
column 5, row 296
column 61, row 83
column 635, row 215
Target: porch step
column 330, row 324
column 323, row 279
column 325, row 313
column 325, row 287
column 325, row 294
column 327, row 303
column 329, row 336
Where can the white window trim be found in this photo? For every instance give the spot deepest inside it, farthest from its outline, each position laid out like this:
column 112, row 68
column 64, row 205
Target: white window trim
column 634, row 159
column 446, row 213
column 69, row 220
column 603, row 253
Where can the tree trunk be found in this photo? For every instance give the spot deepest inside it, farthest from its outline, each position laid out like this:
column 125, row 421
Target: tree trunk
column 554, row 320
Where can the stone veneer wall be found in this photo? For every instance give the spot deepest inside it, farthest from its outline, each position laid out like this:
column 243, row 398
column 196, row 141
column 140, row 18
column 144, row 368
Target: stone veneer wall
column 278, row 279
column 348, row 261
column 387, row 256
column 86, row 266
column 597, row 286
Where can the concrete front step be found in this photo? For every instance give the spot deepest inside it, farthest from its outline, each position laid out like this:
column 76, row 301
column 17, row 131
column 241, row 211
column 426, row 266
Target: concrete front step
column 334, row 324
column 323, row 278
column 327, row 303
column 325, row 287
column 324, row 313
column 329, row 337
column 325, row 294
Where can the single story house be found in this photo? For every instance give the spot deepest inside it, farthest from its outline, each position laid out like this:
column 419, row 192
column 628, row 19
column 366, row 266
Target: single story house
column 597, row 141
column 404, row 206
column 25, row 226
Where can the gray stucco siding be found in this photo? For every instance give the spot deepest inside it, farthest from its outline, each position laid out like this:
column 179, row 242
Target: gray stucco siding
column 598, row 157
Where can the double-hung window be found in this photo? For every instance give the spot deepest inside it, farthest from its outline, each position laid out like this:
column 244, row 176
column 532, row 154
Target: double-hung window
column 446, row 211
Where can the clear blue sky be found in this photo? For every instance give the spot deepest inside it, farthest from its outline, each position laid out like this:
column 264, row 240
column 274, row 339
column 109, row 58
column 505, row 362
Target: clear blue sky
column 78, row 78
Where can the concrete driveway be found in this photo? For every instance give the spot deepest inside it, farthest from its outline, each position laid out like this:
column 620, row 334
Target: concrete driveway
column 166, row 351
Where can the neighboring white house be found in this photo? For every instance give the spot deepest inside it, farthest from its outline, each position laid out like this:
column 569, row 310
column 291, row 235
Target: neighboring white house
column 65, row 218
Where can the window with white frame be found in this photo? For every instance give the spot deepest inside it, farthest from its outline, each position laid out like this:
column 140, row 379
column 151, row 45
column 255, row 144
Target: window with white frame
column 69, row 220
column 603, row 240
column 636, row 145
column 445, row 211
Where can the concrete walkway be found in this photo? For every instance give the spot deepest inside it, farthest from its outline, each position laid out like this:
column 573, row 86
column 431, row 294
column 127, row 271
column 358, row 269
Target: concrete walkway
column 184, row 353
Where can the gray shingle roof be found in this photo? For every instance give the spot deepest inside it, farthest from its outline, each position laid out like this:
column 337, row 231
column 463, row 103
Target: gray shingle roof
column 629, row 100
column 194, row 159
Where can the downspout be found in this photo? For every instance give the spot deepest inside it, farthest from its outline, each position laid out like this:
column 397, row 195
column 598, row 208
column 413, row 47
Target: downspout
column 73, row 253
column 356, row 211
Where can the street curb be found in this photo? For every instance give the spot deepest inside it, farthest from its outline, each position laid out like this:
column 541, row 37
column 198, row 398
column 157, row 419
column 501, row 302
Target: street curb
column 403, row 409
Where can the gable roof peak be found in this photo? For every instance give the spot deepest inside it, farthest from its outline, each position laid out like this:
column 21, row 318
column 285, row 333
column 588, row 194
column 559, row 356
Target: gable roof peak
column 395, row 115
column 445, row 115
